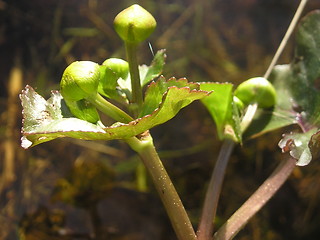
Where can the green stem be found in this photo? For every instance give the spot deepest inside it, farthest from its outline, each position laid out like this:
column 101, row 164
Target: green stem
column 137, row 98
column 257, row 200
column 109, row 109
column 168, row 194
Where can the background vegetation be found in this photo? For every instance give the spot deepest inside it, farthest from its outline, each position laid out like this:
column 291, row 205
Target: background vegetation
column 68, row 189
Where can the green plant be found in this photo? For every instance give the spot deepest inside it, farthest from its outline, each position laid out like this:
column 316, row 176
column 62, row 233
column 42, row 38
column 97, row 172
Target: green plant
column 254, row 107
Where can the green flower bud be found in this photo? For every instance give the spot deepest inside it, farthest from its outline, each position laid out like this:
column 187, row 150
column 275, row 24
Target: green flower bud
column 257, row 90
column 134, row 24
column 80, row 80
column 111, row 70
column 118, row 66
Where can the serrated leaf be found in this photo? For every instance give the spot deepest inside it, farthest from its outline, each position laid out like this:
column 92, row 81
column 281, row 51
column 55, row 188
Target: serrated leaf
column 155, row 69
column 45, row 120
column 156, row 90
column 220, row 106
column 41, row 116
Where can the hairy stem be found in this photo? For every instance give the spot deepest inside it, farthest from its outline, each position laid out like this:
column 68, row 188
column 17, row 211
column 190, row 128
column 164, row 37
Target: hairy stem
column 109, row 109
column 262, row 195
column 205, row 229
column 168, row 194
column 137, row 98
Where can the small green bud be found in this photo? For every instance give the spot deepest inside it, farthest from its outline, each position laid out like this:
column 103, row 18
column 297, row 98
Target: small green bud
column 118, row 66
column 134, row 24
column 257, row 90
column 111, row 70
column 80, row 80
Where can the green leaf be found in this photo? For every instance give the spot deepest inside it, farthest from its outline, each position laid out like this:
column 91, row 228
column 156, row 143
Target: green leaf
column 41, row 117
column 156, row 90
column 223, row 111
column 47, row 120
column 298, row 95
column 108, row 83
column 155, row 69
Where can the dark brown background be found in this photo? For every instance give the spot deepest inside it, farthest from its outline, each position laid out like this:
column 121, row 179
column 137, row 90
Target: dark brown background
column 60, row 190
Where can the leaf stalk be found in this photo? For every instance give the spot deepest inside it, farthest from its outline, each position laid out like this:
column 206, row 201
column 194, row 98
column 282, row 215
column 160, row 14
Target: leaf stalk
column 164, row 186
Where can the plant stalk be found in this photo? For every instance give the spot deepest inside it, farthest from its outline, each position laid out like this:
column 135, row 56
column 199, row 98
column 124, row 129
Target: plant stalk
column 137, row 97
column 109, row 109
column 166, row 190
column 205, row 229
column 286, row 37
column 261, row 196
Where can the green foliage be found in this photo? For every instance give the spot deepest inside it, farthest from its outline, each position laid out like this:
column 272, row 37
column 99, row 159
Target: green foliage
column 298, row 95
column 222, row 109
column 46, row 120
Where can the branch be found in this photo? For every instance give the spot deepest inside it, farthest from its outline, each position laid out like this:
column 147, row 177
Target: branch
column 261, row 196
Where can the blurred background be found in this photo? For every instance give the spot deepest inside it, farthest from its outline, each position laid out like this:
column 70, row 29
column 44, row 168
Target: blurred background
column 68, row 189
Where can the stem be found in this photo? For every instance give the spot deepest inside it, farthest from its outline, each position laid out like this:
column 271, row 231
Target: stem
column 109, row 109
column 210, row 205
column 209, row 209
column 247, row 118
column 263, row 194
column 205, row 229
column 286, row 37
column 137, row 98
column 168, row 194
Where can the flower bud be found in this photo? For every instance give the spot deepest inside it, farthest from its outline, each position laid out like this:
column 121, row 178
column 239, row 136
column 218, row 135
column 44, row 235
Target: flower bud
column 80, row 80
column 134, row 24
column 257, row 90
column 118, row 66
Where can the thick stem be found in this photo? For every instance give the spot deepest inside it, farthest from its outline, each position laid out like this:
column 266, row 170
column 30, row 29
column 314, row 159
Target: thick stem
column 137, row 98
column 168, row 194
column 205, row 229
column 262, row 195
column 109, row 109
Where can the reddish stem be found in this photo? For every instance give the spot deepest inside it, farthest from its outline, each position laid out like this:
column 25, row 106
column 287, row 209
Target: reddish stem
column 261, row 196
